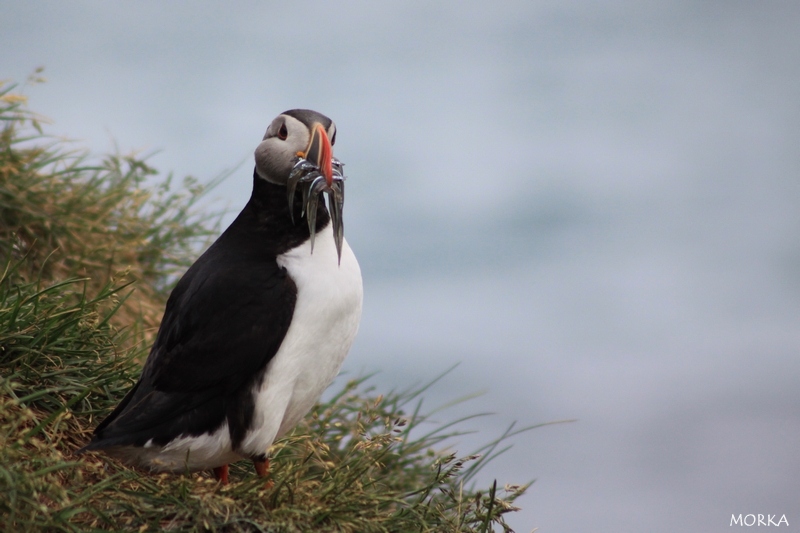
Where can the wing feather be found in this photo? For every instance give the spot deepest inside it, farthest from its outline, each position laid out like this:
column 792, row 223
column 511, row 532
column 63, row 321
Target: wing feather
column 223, row 323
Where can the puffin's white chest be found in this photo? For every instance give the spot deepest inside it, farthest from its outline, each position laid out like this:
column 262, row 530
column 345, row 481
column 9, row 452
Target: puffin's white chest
column 323, row 327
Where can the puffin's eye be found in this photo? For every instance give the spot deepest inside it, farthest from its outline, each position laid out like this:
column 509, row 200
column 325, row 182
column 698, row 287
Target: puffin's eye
column 283, row 132
column 333, row 139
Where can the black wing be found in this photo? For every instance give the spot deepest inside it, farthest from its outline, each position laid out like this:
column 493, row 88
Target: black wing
column 223, row 323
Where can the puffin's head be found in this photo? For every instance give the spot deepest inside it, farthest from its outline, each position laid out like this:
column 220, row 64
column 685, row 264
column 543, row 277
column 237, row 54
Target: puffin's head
column 298, row 133
column 297, row 151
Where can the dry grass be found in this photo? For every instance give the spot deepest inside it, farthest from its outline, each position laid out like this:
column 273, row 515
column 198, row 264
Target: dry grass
column 68, row 216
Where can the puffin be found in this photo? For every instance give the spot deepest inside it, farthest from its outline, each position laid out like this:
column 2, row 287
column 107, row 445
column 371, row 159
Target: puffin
column 258, row 327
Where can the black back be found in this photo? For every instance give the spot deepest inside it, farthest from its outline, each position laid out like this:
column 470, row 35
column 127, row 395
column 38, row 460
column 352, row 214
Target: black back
column 224, row 321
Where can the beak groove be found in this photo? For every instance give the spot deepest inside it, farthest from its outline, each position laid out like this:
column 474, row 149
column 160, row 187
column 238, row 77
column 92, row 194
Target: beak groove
column 320, row 152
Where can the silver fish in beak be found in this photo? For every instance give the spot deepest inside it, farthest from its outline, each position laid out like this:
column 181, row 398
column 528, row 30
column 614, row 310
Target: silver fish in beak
column 316, row 172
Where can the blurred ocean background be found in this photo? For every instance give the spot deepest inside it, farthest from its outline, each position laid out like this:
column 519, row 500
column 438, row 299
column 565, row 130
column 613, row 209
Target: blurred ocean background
column 594, row 208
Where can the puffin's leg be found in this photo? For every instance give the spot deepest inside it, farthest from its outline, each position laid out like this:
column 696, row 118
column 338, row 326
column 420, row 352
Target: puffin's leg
column 262, row 467
column 221, row 474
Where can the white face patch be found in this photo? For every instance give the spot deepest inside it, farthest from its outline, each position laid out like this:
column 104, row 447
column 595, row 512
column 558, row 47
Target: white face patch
column 285, row 138
column 296, row 131
column 275, row 155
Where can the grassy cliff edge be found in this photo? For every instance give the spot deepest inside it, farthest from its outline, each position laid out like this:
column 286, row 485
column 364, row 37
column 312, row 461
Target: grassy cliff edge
column 87, row 257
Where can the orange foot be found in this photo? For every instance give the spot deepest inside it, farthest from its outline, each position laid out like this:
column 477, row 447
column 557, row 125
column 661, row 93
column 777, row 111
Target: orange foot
column 221, row 474
column 262, row 469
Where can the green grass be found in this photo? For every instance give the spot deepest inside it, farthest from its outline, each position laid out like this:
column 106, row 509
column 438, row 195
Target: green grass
column 87, row 255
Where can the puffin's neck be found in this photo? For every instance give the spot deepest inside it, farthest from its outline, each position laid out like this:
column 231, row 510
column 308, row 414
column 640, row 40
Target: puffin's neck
column 267, row 213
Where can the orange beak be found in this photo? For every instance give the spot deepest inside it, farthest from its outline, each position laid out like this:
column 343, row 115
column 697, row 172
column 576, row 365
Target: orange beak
column 320, row 153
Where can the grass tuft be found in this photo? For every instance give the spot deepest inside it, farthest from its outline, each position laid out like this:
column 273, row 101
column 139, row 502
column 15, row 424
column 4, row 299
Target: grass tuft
column 88, row 254
column 69, row 216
